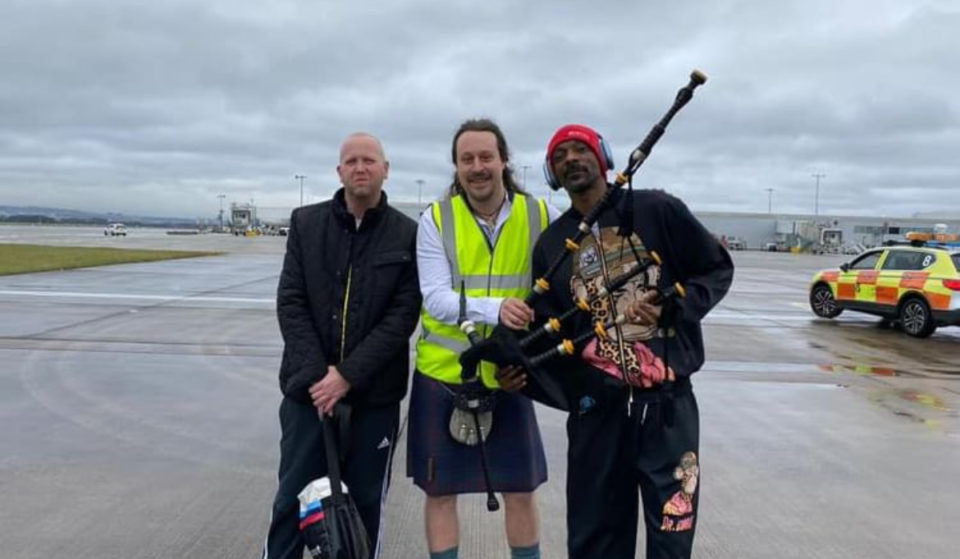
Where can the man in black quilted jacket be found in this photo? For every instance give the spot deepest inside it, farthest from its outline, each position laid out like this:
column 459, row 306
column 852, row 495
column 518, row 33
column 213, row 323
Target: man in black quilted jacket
column 348, row 302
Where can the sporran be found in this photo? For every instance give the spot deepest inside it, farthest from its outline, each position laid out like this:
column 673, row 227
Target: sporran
column 466, row 402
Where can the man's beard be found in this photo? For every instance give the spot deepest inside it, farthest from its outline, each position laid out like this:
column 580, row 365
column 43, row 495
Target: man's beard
column 582, row 183
column 579, row 187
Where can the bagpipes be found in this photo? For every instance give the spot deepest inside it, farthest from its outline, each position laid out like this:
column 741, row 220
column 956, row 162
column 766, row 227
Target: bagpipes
column 473, row 400
column 508, row 347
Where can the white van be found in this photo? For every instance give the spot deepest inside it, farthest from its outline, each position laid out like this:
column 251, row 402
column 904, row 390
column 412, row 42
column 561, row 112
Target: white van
column 115, row 230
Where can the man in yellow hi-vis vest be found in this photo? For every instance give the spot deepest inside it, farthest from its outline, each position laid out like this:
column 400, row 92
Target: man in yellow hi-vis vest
column 481, row 237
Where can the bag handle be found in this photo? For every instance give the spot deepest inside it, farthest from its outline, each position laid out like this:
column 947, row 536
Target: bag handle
column 341, row 419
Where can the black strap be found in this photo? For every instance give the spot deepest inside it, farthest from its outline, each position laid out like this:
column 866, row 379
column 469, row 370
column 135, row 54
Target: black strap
column 334, row 428
column 626, row 228
column 343, row 413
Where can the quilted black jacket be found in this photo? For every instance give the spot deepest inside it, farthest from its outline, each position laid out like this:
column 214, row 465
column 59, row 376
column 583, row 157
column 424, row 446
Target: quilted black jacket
column 349, row 297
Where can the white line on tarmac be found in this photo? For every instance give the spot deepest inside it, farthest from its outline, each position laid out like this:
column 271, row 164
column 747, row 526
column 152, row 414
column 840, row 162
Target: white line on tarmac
column 177, row 297
column 733, row 316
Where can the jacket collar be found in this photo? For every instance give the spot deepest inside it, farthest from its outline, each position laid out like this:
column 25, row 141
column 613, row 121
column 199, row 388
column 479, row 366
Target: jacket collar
column 370, row 218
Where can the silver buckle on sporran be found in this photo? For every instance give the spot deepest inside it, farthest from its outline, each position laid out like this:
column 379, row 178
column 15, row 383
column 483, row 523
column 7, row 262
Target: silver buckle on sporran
column 463, row 427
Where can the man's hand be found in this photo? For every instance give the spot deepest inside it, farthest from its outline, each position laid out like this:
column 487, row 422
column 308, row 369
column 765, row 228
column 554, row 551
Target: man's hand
column 511, row 378
column 329, row 390
column 515, row 314
column 642, row 311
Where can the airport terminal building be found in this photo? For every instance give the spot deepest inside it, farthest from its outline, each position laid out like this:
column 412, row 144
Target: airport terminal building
column 805, row 232
column 759, row 231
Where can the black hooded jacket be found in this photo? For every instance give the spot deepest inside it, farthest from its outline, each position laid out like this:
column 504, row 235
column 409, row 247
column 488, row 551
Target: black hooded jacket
column 348, row 297
column 691, row 256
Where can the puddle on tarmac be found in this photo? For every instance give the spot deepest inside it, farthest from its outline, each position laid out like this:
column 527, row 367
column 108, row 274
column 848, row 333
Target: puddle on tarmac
column 914, row 405
column 862, row 370
column 928, row 400
column 928, row 410
column 883, row 370
column 884, row 354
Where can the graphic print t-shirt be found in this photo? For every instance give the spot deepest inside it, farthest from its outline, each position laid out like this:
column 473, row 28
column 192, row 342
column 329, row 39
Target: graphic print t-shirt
column 602, row 258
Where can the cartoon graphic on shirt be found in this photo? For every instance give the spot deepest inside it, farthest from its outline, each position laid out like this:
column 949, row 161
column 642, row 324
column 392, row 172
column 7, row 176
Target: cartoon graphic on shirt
column 678, row 513
column 595, row 264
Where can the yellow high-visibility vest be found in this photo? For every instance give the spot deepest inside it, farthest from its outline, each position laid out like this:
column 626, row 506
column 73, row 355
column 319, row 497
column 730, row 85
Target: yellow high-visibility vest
column 501, row 270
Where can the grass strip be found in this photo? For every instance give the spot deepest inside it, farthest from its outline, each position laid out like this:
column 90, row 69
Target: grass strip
column 22, row 259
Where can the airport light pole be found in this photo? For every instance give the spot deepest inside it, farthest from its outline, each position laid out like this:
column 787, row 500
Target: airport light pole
column 816, row 200
column 221, row 197
column 524, row 167
column 419, row 193
column 300, row 178
column 769, row 200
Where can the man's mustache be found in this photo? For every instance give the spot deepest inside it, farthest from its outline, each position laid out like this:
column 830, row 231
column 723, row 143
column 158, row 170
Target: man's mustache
column 480, row 176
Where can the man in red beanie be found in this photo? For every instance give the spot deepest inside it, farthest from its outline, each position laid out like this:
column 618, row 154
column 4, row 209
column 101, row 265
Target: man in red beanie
column 578, row 137
column 633, row 420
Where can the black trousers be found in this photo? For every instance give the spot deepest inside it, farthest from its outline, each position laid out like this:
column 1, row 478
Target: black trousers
column 612, row 454
column 372, row 437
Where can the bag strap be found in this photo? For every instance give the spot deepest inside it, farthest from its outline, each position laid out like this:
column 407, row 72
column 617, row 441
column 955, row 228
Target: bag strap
column 335, row 428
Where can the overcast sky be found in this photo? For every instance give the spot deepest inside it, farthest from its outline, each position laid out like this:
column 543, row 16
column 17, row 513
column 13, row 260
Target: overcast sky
column 155, row 108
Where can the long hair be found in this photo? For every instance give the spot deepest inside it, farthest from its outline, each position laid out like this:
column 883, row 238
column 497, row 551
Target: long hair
column 484, row 125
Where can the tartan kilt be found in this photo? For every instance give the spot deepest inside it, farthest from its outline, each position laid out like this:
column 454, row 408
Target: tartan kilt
column 441, row 466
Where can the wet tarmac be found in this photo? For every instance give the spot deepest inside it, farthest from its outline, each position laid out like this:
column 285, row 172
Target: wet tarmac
column 138, row 417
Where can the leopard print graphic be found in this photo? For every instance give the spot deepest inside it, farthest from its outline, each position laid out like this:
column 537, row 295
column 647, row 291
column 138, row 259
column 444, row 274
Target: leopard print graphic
column 609, row 349
column 642, row 367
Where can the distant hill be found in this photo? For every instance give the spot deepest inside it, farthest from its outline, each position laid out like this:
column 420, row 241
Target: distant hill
column 948, row 215
column 39, row 214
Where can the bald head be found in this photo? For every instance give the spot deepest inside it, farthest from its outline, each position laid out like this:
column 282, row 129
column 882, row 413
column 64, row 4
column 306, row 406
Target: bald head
column 362, row 170
column 362, row 138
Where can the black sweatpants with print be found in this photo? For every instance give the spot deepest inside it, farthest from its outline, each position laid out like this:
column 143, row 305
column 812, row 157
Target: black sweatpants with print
column 303, row 459
column 612, row 454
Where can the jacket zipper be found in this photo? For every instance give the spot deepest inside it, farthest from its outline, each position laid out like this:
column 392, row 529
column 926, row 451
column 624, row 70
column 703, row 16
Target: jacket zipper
column 343, row 314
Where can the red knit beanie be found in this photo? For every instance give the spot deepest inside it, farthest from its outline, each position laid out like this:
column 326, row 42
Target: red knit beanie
column 580, row 133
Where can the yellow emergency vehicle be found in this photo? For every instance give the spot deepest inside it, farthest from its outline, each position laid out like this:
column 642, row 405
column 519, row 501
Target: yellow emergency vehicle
column 915, row 285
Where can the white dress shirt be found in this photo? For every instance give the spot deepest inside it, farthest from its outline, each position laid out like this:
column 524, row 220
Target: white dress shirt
column 440, row 300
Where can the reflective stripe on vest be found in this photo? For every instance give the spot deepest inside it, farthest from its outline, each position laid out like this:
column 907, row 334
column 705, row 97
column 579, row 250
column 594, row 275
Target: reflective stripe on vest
column 456, row 346
column 503, row 271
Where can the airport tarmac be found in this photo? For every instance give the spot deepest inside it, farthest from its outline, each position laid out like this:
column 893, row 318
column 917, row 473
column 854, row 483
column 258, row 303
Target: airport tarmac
column 138, row 417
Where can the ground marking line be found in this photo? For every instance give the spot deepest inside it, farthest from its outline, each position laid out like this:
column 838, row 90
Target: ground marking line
column 172, row 297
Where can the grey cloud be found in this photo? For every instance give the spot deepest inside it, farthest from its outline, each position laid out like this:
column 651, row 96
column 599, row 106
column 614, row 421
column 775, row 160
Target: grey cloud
column 157, row 108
